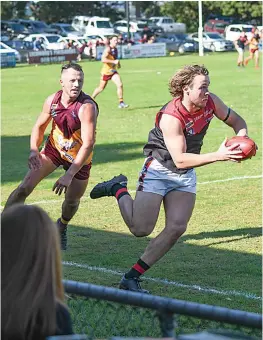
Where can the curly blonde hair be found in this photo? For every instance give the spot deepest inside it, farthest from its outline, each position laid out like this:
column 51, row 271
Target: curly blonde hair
column 185, row 77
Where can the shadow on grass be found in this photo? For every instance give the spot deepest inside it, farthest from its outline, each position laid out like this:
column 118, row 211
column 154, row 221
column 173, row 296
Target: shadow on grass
column 15, row 151
column 235, row 234
column 146, row 107
column 186, row 263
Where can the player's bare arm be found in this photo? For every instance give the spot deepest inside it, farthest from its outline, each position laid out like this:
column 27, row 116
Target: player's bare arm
column 37, row 135
column 88, row 118
column 104, row 57
column 176, row 145
column 229, row 116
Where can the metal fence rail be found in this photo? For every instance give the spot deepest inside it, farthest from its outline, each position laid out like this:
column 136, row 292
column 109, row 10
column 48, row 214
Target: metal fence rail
column 100, row 311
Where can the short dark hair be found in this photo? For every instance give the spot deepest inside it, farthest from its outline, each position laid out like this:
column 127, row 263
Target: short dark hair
column 69, row 65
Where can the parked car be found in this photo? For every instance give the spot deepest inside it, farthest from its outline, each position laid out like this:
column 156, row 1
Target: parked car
column 50, row 41
column 232, row 32
column 99, row 26
column 6, row 48
column 80, row 22
column 93, row 25
column 36, row 26
column 121, row 26
column 214, row 41
column 65, row 30
column 155, row 29
column 23, row 47
column 215, row 25
column 179, row 43
column 134, row 37
column 77, row 42
column 169, row 25
column 14, row 29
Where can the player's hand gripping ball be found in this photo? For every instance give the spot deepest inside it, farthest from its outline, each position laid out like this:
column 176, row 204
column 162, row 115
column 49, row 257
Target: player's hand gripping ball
column 247, row 146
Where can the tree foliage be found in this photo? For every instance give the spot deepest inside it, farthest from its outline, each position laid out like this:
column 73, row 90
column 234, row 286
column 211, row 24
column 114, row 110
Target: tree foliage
column 187, row 11
column 12, row 9
column 181, row 11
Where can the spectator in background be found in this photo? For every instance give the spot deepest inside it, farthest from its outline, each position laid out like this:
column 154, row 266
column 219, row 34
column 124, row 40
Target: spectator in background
column 105, row 41
column 144, row 38
column 90, row 47
column 151, row 40
column 240, row 46
column 38, row 44
column 253, row 48
column 81, row 50
column 70, row 44
column 120, row 39
column 32, row 291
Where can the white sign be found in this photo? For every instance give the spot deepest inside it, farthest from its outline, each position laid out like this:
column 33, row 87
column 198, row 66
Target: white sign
column 137, row 51
column 144, row 51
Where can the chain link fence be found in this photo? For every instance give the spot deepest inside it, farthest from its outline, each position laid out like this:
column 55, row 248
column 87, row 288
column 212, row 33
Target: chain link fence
column 104, row 312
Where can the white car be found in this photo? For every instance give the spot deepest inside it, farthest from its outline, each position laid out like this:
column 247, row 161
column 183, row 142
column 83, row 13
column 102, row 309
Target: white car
column 50, row 41
column 121, row 26
column 5, row 48
column 214, row 42
column 79, row 41
column 232, row 32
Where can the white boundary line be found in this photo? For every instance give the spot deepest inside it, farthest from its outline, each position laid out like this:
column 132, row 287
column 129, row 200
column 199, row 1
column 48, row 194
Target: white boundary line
column 133, row 191
column 246, row 295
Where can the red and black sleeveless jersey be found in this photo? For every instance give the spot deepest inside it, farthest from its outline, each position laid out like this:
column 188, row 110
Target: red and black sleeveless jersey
column 194, row 128
column 65, row 135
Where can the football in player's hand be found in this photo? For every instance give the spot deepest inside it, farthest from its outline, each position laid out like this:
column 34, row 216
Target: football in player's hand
column 246, row 146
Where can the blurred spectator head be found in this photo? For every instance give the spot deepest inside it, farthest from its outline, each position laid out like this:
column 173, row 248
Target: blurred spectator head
column 151, row 40
column 120, row 39
column 31, row 271
column 106, row 41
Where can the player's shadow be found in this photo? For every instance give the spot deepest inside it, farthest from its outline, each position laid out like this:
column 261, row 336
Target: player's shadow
column 234, row 234
column 186, row 263
column 145, row 107
column 15, row 152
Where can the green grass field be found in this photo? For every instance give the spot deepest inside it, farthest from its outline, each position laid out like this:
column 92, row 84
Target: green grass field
column 221, row 250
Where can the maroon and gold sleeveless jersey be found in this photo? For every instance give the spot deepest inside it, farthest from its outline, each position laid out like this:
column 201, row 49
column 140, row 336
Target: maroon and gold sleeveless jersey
column 65, row 135
column 110, row 68
column 194, row 127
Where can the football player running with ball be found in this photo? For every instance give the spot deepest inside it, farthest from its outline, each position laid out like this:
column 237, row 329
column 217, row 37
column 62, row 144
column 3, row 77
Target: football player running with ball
column 168, row 175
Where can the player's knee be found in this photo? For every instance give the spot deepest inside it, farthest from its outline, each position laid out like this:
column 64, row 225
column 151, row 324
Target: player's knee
column 120, row 86
column 140, row 230
column 176, row 231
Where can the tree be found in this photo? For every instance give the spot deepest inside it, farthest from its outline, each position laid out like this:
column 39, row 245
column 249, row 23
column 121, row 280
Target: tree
column 187, row 11
column 147, row 8
column 12, row 9
column 64, row 11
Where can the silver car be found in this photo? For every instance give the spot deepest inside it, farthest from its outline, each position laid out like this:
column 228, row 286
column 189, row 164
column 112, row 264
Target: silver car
column 214, row 41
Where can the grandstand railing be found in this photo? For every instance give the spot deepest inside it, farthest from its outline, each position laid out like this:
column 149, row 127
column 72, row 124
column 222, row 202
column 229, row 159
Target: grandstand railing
column 100, row 312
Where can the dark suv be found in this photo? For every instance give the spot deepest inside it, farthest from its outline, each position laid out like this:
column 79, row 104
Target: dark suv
column 36, row 26
column 14, row 29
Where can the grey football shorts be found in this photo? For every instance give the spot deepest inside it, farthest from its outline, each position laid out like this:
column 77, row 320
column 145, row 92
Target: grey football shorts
column 157, row 179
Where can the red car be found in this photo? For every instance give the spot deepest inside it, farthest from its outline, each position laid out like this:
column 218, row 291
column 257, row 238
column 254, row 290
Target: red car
column 215, row 25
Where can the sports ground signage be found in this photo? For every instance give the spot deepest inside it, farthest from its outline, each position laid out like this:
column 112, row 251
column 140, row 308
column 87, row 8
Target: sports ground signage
column 52, row 56
column 137, row 51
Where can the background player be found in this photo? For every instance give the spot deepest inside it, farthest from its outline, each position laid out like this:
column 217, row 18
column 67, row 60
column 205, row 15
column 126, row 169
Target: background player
column 109, row 72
